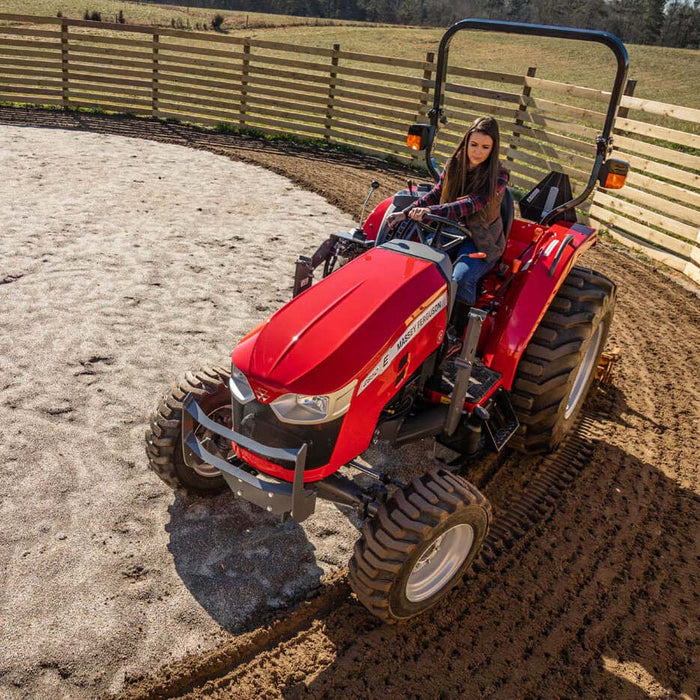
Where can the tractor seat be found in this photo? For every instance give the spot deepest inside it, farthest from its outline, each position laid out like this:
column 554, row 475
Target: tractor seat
column 507, row 216
column 507, row 212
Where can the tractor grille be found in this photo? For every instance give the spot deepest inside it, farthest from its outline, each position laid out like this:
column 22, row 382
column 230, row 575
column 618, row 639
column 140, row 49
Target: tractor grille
column 258, row 421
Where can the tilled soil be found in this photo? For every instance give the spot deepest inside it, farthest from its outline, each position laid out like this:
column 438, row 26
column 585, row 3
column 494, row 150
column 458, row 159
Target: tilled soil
column 600, row 599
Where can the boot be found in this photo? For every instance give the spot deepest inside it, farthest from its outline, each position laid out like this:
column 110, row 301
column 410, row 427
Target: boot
column 460, row 318
column 456, row 327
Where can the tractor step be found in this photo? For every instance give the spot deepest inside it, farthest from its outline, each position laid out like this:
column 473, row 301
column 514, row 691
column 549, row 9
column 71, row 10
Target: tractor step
column 481, row 381
column 502, row 422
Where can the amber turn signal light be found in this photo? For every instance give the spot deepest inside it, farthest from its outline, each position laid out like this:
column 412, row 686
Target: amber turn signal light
column 413, row 142
column 613, row 173
column 614, row 181
column 419, row 137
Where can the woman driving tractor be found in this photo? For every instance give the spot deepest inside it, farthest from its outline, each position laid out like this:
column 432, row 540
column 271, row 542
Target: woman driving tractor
column 469, row 192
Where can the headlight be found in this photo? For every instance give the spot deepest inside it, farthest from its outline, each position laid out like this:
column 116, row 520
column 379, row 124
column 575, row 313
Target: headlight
column 297, row 408
column 239, row 386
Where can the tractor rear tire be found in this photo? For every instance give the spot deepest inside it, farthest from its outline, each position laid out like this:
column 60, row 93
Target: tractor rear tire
column 164, row 447
column 418, row 545
column 558, row 366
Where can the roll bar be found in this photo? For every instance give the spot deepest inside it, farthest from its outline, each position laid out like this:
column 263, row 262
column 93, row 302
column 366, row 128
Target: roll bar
column 603, row 141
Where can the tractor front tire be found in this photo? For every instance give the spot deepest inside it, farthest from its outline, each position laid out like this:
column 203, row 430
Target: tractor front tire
column 164, row 447
column 558, row 366
column 418, row 545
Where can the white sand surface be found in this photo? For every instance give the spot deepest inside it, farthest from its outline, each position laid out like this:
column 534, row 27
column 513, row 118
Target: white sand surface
column 124, row 263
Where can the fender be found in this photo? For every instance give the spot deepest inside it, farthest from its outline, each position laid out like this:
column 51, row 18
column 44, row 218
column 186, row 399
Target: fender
column 531, row 293
column 374, row 221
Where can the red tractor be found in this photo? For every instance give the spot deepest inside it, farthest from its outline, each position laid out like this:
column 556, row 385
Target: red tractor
column 366, row 354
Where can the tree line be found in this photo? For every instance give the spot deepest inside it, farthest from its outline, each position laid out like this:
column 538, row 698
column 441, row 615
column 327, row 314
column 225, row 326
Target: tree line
column 662, row 22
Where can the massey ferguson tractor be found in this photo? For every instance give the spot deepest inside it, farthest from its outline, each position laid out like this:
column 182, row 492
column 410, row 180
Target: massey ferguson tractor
column 368, row 354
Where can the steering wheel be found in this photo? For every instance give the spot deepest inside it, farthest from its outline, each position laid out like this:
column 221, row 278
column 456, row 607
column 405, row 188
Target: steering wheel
column 436, row 237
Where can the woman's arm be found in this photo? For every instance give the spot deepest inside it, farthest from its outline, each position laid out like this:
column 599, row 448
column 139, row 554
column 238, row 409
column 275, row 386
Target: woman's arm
column 429, row 198
column 432, row 197
column 467, row 205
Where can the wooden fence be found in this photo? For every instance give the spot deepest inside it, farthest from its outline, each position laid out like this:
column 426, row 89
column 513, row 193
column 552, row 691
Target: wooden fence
column 367, row 102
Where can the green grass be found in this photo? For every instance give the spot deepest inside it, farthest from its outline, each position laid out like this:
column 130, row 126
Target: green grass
column 663, row 74
column 149, row 14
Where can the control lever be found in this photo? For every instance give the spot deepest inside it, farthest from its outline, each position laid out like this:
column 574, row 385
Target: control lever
column 410, row 187
column 373, row 186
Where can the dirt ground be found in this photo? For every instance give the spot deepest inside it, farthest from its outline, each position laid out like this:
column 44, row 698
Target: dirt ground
column 113, row 282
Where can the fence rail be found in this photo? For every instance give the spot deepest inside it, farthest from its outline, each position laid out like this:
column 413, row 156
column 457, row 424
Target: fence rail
column 365, row 101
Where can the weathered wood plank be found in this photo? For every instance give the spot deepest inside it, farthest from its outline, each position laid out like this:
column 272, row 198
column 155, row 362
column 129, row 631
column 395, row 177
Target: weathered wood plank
column 665, row 206
column 382, row 60
column 661, row 108
column 497, row 95
column 641, row 231
column 25, row 99
column 30, row 31
column 673, row 192
column 478, row 108
column 20, row 90
column 495, row 77
column 600, row 96
column 665, row 171
column 634, row 211
column 685, row 160
column 662, row 133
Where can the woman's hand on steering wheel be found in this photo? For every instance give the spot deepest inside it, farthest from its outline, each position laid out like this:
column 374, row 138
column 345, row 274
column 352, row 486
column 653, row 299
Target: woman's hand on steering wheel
column 418, row 213
column 395, row 218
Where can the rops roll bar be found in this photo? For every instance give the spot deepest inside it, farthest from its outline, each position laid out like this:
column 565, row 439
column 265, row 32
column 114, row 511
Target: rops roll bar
column 436, row 114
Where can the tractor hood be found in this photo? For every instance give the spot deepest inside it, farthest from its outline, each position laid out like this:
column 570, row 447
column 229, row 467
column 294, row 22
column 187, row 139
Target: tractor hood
column 328, row 336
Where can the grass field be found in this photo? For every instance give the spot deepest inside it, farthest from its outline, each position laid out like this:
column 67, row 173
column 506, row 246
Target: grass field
column 663, row 74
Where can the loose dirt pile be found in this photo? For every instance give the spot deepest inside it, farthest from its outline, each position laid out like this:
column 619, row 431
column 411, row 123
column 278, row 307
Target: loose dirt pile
column 601, row 599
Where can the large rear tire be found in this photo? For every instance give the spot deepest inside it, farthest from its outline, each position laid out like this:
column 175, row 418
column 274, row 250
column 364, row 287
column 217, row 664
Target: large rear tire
column 164, row 434
column 558, row 366
column 418, row 545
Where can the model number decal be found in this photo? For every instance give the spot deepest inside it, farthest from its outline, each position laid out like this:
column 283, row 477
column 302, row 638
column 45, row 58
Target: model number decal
column 410, row 333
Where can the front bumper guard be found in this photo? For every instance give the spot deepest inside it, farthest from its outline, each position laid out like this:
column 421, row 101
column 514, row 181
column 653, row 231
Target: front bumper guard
column 279, row 497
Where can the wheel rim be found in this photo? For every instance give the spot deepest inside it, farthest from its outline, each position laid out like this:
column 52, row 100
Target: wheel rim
column 439, row 563
column 213, row 442
column 584, row 372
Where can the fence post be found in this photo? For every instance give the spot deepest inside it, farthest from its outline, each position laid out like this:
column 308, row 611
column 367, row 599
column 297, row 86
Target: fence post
column 64, row 64
column 622, row 112
column 522, row 108
column 244, row 81
column 328, row 123
column 424, row 95
column 154, row 84
column 628, row 92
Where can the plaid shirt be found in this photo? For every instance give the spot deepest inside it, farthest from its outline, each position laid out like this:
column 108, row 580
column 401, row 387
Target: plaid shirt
column 462, row 208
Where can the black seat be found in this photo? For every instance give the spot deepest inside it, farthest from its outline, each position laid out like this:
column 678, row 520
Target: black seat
column 507, row 212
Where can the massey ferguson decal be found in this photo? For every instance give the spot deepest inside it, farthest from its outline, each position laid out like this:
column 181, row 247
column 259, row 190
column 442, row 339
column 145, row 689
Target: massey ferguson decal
column 410, row 333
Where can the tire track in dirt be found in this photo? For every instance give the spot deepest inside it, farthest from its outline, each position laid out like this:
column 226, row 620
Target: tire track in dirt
column 304, row 649
column 598, row 600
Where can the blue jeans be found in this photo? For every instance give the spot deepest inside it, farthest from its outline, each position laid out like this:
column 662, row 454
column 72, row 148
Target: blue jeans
column 468, row 271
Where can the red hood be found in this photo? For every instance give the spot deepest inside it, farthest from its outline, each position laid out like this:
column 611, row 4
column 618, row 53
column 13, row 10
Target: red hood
column 324, row 338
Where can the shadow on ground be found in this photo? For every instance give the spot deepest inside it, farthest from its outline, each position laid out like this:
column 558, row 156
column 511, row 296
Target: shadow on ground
column 599, row 603
column 238, row 561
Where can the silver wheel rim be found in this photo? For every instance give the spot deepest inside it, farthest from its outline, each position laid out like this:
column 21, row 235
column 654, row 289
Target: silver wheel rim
column 212, row 442
column 584, row 372
column 439, row 563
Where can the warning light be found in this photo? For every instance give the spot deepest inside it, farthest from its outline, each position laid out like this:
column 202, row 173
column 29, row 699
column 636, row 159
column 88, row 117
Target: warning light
column 614, row 181
column 419, row 137
column 413, row 142
column 613, row 173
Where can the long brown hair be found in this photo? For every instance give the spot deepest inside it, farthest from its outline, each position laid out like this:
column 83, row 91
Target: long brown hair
column 460, row 181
